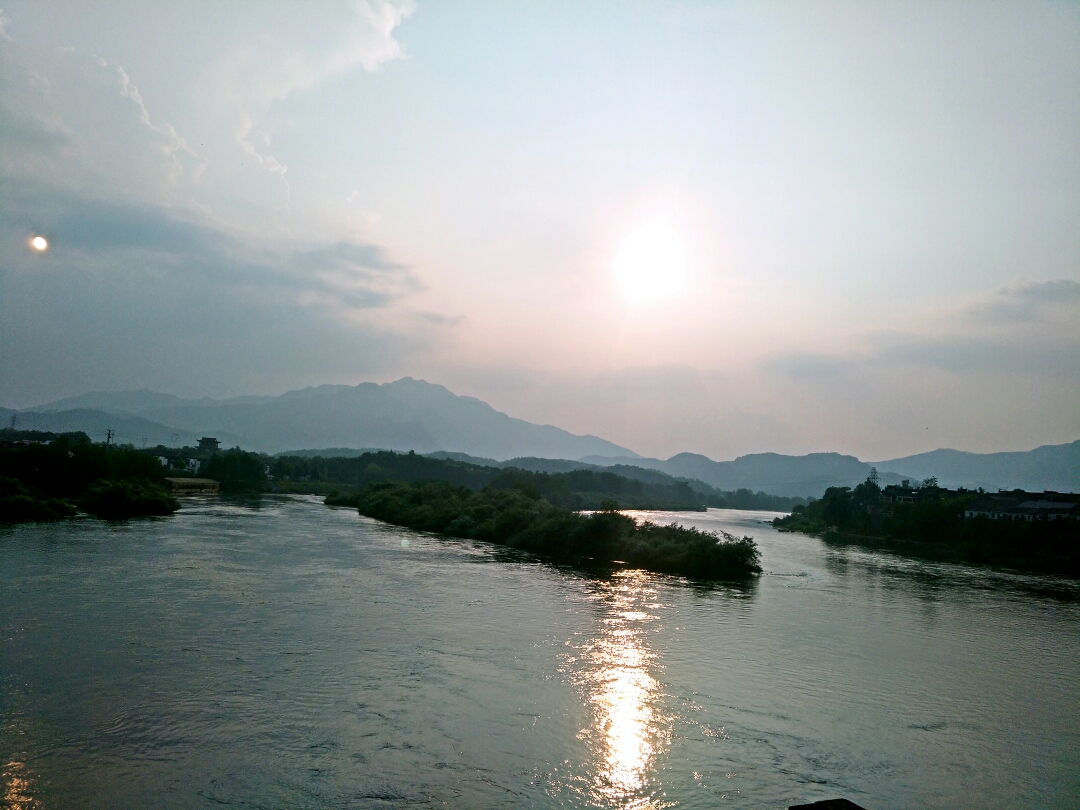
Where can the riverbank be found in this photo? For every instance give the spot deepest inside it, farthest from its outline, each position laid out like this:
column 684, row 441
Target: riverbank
column 45, row 482
column 938, row 526
column 516, row 519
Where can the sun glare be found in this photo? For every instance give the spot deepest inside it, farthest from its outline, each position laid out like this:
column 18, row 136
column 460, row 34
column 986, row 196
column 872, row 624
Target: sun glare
column 39, row 243
column 650, row 264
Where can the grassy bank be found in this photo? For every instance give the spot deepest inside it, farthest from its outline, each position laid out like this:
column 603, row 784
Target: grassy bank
column 519, row 519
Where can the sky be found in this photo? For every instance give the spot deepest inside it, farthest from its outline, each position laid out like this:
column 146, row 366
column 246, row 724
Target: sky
column 720, row 227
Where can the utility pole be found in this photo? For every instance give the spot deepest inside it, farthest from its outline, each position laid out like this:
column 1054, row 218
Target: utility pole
column 108, row 438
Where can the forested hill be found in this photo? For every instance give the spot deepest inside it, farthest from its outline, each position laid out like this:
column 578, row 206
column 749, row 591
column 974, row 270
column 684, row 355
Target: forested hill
column 629, row 487
column 578, row 489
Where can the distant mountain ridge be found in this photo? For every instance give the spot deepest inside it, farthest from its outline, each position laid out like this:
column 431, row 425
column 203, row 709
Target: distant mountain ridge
column 135, row 402
column 415, row 415
column 403, row 415
column 94, row 423
column 772, row 473
column 1050, row 467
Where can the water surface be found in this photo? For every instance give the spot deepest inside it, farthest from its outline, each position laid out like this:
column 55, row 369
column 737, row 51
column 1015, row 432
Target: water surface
column 289, row 655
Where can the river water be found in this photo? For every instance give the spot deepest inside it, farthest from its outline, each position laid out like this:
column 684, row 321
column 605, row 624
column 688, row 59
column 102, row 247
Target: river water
column 289, row 655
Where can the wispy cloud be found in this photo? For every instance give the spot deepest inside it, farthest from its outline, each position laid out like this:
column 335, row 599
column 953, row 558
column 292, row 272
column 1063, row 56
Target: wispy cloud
column 171, row 141
column 144, row 278
column 253, row 78
column 1025, row 301
column 1007, row 330
column 71, row 120
column 963, row 353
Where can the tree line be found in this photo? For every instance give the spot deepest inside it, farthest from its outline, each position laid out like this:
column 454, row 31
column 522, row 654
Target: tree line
column 934, row 526
column 47, row 478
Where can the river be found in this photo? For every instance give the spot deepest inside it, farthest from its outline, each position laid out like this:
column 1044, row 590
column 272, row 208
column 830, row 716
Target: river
column 283, row 654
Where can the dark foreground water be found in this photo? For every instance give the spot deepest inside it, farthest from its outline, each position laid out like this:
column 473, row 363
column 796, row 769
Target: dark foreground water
column 295, row 656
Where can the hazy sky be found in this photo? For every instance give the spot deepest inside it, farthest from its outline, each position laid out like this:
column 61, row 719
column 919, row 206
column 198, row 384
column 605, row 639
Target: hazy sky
column 717, row 227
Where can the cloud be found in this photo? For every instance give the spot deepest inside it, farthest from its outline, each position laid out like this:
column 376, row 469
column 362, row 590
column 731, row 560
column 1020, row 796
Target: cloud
column 70, row 120
column 172, row 143
column 801, row 365
column 1025, row 301
column 73, row 119
column 951, row 353
column 339, row 277
column 266, row 161
column 372, row 41
column 133, row 295
column 1014, row 329
column 145, row 282
column 962, row 353
column 253, row 77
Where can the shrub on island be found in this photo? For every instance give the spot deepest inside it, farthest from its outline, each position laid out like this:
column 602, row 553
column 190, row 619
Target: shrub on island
column 521, row 520
column 116, row 500
column 20, row 504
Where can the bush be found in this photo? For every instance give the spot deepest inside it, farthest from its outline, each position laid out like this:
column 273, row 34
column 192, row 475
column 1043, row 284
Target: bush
column 116, row 500
column 19, row 504
column 23, row 509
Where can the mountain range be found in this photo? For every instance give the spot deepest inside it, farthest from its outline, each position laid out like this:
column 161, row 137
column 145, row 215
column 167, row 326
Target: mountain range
column 404, row 415
column 415, row 415
column 1051, row 467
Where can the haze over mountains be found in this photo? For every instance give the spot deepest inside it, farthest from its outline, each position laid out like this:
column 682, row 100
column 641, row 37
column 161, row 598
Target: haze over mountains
column 1053, row 467
column 404, row 415
column 415, row 415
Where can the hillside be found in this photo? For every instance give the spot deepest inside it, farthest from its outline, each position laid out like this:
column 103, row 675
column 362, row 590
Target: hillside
column 404, row 415
column 1054, row 467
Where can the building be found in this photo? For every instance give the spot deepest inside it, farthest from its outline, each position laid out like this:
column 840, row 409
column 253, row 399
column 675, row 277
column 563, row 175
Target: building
column 193, row 486
column 209, row 443
column 1029, row 506
column 904, row 493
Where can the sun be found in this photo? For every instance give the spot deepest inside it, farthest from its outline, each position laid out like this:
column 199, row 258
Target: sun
column 650, row 264
column 39, row 243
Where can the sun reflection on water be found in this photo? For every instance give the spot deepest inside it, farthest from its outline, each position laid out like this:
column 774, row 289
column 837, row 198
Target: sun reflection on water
column 624, row 696
column 15, row 784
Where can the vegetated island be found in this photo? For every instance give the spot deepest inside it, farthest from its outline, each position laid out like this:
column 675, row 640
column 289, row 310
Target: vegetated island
column 518, row 518
column 1038, row 532
column 44, row 477
column 532, row 511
